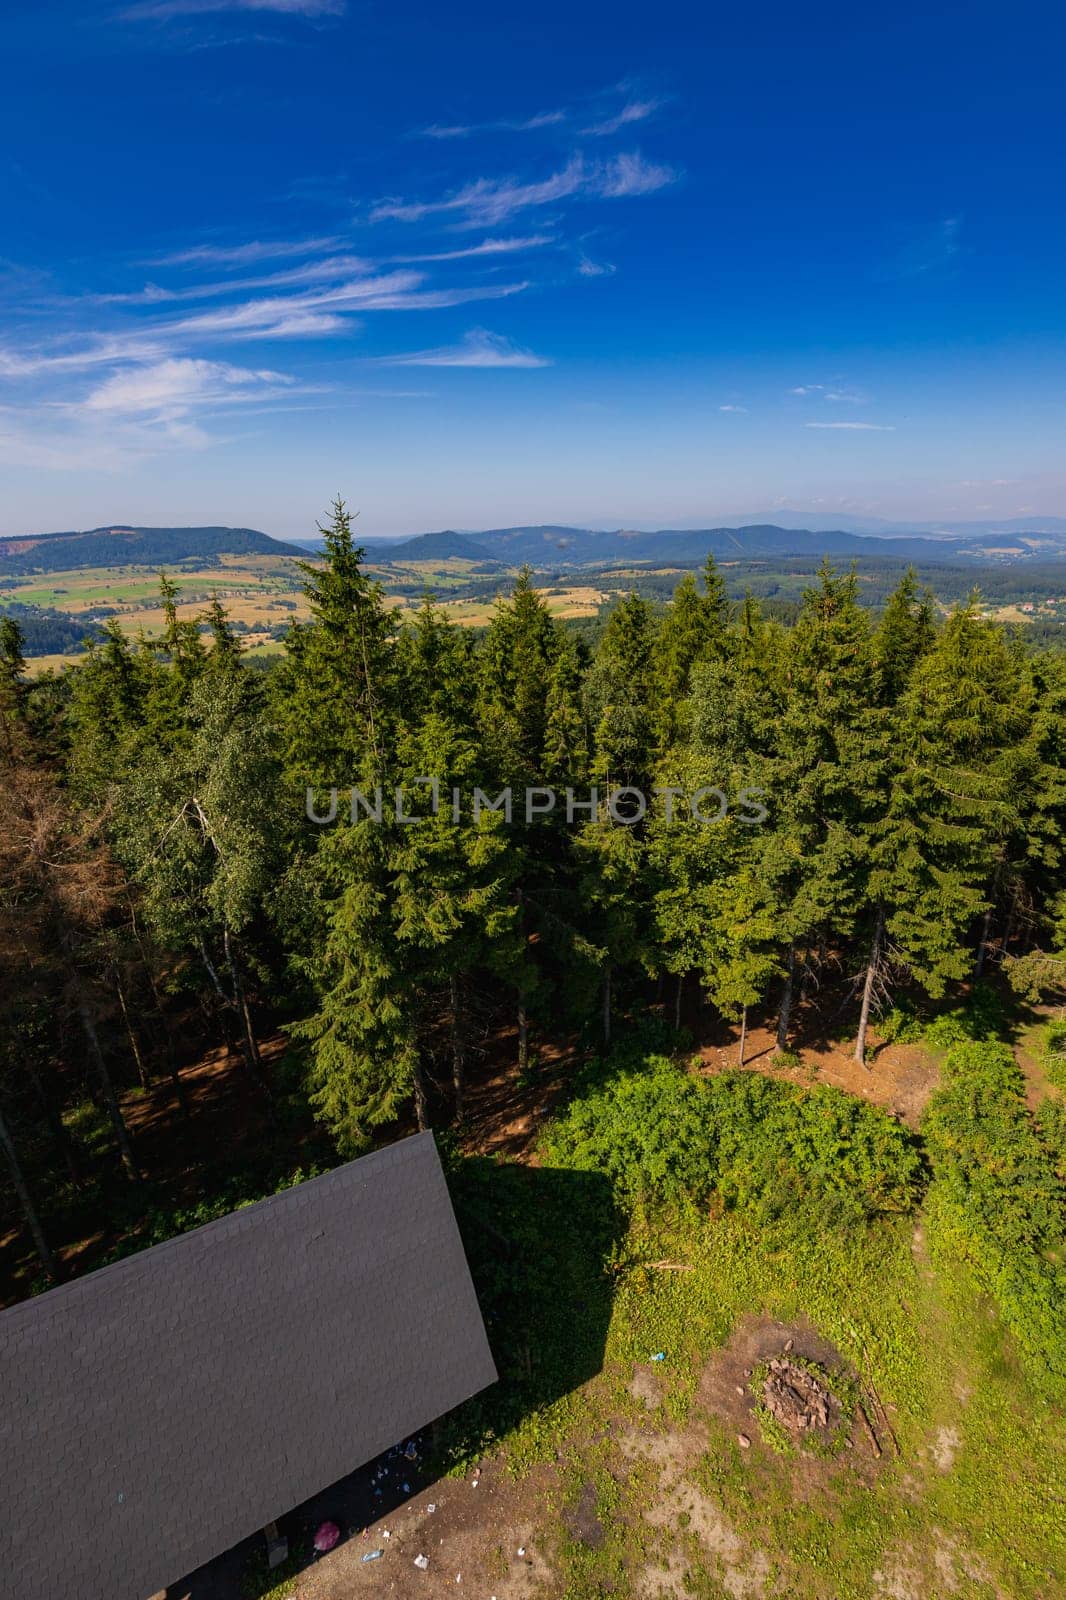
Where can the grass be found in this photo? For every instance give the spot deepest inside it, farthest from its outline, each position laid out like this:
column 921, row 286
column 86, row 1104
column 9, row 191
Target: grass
column 933, row 1348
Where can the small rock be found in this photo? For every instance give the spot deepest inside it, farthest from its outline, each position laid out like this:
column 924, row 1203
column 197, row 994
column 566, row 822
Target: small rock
column 788, row 1345
column 743, row 1441
column 740, row 1388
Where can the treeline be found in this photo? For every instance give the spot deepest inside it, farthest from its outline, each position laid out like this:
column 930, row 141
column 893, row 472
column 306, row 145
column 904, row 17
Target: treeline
column 45, row 632
column 156, row 842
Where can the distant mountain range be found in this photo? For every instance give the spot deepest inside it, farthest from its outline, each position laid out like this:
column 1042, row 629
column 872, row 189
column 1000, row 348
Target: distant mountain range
column 125, row 546
column 554, row 546
column 558, row 546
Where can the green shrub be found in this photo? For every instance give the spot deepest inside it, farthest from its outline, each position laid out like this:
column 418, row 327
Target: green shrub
column 996, row 1198
column 1053, row 1052
column 663, row 1135
column 901, row 1025
column 647, row 1130
column 982, row 1015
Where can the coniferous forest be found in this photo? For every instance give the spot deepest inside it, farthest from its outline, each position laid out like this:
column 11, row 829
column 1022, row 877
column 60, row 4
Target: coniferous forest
column 160, row 857
column 659, row 877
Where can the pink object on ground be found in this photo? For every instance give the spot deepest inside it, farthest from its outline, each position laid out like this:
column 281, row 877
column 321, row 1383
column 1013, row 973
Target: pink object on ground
column 327, row 1536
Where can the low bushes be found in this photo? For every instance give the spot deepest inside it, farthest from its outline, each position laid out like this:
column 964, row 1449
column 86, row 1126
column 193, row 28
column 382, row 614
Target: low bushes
column 1053, row 1053
column 982, row 1015
column 661, row 1134
column 997, row 1199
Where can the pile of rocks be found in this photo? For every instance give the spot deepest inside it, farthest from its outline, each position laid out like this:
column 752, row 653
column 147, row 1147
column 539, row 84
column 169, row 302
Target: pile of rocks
column 794, row 1397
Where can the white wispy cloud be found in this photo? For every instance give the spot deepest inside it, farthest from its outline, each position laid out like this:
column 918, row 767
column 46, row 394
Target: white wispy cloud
column 174, row 387
column 740, row 410
column 292, row 277
column 855, row 427
column 634, row 111
column 464, row 130
column 487, row 247
column 98, row 352
column 807, row 388
column 486, row 202
column 479, row 348
column 931, row 249
column 244, row 254
column 162, row 10
column 310, row 314
column 595, row 269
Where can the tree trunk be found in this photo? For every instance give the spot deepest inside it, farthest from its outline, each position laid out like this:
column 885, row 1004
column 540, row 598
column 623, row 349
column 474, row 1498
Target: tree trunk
column 785, row 1014
column 29, row 1210
column 458, row 1050
column 677, row 999
column 60, row 1136
column 168, row 1038
column 135, row 1049
column 982, row 946
column 523, row 1036
column 743, row 1036
column 114, row 1110
column 607, row 1006
column 419, row 1083
column 868, row 987
column 249, row 1047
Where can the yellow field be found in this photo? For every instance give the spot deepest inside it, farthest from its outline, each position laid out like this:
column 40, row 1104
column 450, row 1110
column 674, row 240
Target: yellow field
column 260, row 592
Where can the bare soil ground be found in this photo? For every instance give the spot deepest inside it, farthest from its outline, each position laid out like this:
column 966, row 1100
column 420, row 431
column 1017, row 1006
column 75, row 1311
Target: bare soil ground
column 899, row 1077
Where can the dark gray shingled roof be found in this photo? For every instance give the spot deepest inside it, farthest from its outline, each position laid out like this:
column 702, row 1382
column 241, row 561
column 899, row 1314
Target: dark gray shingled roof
column 155, row 1412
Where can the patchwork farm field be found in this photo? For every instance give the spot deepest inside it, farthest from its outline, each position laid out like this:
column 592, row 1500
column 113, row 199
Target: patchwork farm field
column 263, row 593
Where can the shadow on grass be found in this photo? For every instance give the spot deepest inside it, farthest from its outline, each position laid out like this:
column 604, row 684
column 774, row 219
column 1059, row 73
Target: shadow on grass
column 539, row 1242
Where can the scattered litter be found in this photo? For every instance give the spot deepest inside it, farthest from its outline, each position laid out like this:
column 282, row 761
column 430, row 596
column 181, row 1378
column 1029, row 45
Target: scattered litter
column 327, row 1536
column 422, row 1563
column 373, row 1555
column 474, row 1482
column 411, row 1452
column 743, row 1441
column 458, row 1577
column 385, row 1534
column 431, row 1507
column 661, row 1356
column 521, row 1549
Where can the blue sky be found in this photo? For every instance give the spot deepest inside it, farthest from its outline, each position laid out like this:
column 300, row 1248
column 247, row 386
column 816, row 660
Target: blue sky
column 475, row 264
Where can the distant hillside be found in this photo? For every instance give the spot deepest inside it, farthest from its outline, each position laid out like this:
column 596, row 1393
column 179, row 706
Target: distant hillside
column 559, row 547
column 46, row 632
column 122, row 546
column 446, row 546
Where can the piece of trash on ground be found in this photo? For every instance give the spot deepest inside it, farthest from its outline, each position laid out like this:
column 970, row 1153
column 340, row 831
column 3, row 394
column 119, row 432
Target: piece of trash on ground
column 373, row 1555
column 661, row 1356
column 421, row 1562
column 431, row 1507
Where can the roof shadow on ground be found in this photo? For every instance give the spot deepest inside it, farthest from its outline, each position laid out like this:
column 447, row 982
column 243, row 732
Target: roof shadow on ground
column 540, row 1242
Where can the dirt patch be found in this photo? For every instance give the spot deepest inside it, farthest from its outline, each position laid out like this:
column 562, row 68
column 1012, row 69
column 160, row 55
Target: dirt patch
column 688, row 1521
column 898, row 1077
column 582, row 1521
column 943, row 1567
column 484, row 1539
column 945, row 1448
column 644, row 1386
column 732, row 1390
